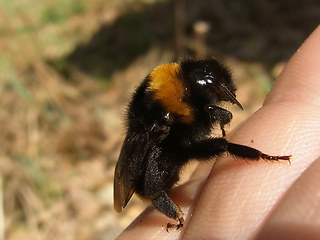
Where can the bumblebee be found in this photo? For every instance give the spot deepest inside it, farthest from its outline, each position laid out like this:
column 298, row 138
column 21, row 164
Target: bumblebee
column 169, row 121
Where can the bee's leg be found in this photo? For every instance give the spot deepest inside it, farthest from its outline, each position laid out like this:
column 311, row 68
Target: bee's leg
column 252, row 153
column 220, row 115
column 215, row 146
column 165, row 205
column 222, row 130
column 208, row 148
column 160, row 175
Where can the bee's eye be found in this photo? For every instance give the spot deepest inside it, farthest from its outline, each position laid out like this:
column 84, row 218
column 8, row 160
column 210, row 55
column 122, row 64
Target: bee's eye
column 207, row 79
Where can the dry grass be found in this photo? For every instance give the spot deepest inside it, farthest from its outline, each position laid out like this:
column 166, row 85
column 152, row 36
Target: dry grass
column 61, row 124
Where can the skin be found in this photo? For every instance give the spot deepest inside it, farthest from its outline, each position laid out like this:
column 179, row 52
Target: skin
column 237, row 199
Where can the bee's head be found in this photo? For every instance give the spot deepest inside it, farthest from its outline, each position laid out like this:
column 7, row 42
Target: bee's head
column 208, row 81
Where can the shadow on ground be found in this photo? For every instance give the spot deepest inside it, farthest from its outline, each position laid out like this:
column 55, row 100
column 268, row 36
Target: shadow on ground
column 264, row 31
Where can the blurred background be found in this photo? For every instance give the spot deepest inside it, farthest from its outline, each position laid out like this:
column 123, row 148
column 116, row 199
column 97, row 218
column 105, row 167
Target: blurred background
column 67, row 70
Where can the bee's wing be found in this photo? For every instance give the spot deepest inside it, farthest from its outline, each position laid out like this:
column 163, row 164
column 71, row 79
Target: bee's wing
column 130, row 165
column 124, row 178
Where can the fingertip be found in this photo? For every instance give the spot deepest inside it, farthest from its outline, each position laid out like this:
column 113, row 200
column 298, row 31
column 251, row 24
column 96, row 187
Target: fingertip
column 299, row 81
